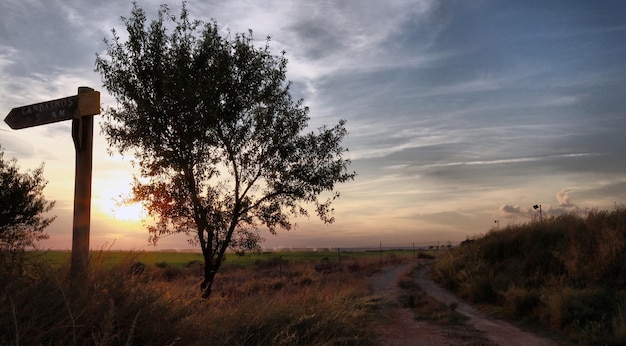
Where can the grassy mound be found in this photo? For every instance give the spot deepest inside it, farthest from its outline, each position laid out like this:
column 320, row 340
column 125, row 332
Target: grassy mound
column 568, row 272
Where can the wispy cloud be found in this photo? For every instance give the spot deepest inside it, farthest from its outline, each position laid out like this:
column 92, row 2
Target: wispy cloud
column 506, row 161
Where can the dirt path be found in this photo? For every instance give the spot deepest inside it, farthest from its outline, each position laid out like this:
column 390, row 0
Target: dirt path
column 401, row 328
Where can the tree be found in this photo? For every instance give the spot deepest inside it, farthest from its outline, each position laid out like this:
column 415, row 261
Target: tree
column 22, row 207
column 221, row 146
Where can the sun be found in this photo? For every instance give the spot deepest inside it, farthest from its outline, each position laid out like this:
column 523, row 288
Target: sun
column 109, row 202
column 129, row 212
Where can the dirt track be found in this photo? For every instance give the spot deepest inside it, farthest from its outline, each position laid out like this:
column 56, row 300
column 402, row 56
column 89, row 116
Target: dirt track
column 401, row 328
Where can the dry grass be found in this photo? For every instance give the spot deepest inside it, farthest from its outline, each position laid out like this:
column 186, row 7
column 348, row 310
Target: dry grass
column 271, row 302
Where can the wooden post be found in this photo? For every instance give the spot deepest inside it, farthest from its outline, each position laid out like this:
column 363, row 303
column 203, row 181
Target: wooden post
column 82, row 134
column 80, row 109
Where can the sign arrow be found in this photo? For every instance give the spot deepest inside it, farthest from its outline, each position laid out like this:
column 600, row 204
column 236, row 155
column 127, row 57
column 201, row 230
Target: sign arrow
column 48, row 112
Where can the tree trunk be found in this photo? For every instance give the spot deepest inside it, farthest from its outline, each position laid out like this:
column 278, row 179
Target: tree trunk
column 213, row 257
column 209, row 275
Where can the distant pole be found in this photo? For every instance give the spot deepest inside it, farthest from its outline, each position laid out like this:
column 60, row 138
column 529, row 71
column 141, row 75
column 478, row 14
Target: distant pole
column 82, row 134
column 339, row 255
column 381, row 252
column 538, row 206
column 497, row 222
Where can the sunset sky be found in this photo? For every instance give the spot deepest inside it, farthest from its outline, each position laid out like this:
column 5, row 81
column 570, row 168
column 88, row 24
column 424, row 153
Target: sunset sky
column 459, row 113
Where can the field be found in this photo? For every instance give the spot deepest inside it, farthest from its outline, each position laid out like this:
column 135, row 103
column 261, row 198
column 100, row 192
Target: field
column 183, row 259
column 270, row 298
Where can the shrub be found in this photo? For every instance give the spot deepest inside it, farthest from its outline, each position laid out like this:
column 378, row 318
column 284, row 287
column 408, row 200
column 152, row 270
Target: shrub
column 570, row 306
column 170, row 273
column 137, row 268
column 423, row 255
column 520, row 302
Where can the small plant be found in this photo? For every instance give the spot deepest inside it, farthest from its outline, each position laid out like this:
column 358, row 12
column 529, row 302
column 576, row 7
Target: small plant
column 137, row 268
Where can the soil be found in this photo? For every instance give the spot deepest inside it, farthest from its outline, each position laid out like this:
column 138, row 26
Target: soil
column 399, row 326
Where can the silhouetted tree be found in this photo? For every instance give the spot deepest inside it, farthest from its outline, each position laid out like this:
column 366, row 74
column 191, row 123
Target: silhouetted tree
column 22, row 208
column 220, row 144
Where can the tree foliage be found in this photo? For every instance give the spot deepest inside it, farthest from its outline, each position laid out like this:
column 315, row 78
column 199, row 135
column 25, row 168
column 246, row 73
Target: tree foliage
column 22, row 207
column 220, row 144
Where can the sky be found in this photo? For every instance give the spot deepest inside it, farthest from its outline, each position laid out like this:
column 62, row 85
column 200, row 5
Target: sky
column 462, row 115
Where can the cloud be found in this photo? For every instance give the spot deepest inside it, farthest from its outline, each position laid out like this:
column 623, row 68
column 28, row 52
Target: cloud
column 517, row 212
column 565, row 206
column 510, row 211
column 564, row 198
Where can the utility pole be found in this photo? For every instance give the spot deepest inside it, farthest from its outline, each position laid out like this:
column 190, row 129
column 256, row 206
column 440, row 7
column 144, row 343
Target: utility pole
column 538, row 206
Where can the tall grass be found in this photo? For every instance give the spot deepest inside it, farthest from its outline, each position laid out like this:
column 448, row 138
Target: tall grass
column 275, row 302
column 568, row 272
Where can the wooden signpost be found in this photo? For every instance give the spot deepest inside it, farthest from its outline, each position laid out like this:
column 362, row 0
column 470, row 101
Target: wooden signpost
column 80, row 109
column 53, row 111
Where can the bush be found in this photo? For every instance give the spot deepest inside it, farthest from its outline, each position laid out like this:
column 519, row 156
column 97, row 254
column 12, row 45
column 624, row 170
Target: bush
column 520, row 302
column 423, row 255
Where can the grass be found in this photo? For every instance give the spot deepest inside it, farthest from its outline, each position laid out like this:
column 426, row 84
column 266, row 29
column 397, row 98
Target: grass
column 272, row 300
column 566, row 273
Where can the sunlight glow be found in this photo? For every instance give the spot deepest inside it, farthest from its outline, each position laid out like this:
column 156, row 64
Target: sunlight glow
column 128, row 212
column 110, row 202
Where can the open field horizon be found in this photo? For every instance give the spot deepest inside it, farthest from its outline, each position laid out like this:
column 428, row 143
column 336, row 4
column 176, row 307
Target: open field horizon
column 60, row 258
column 265, row 249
